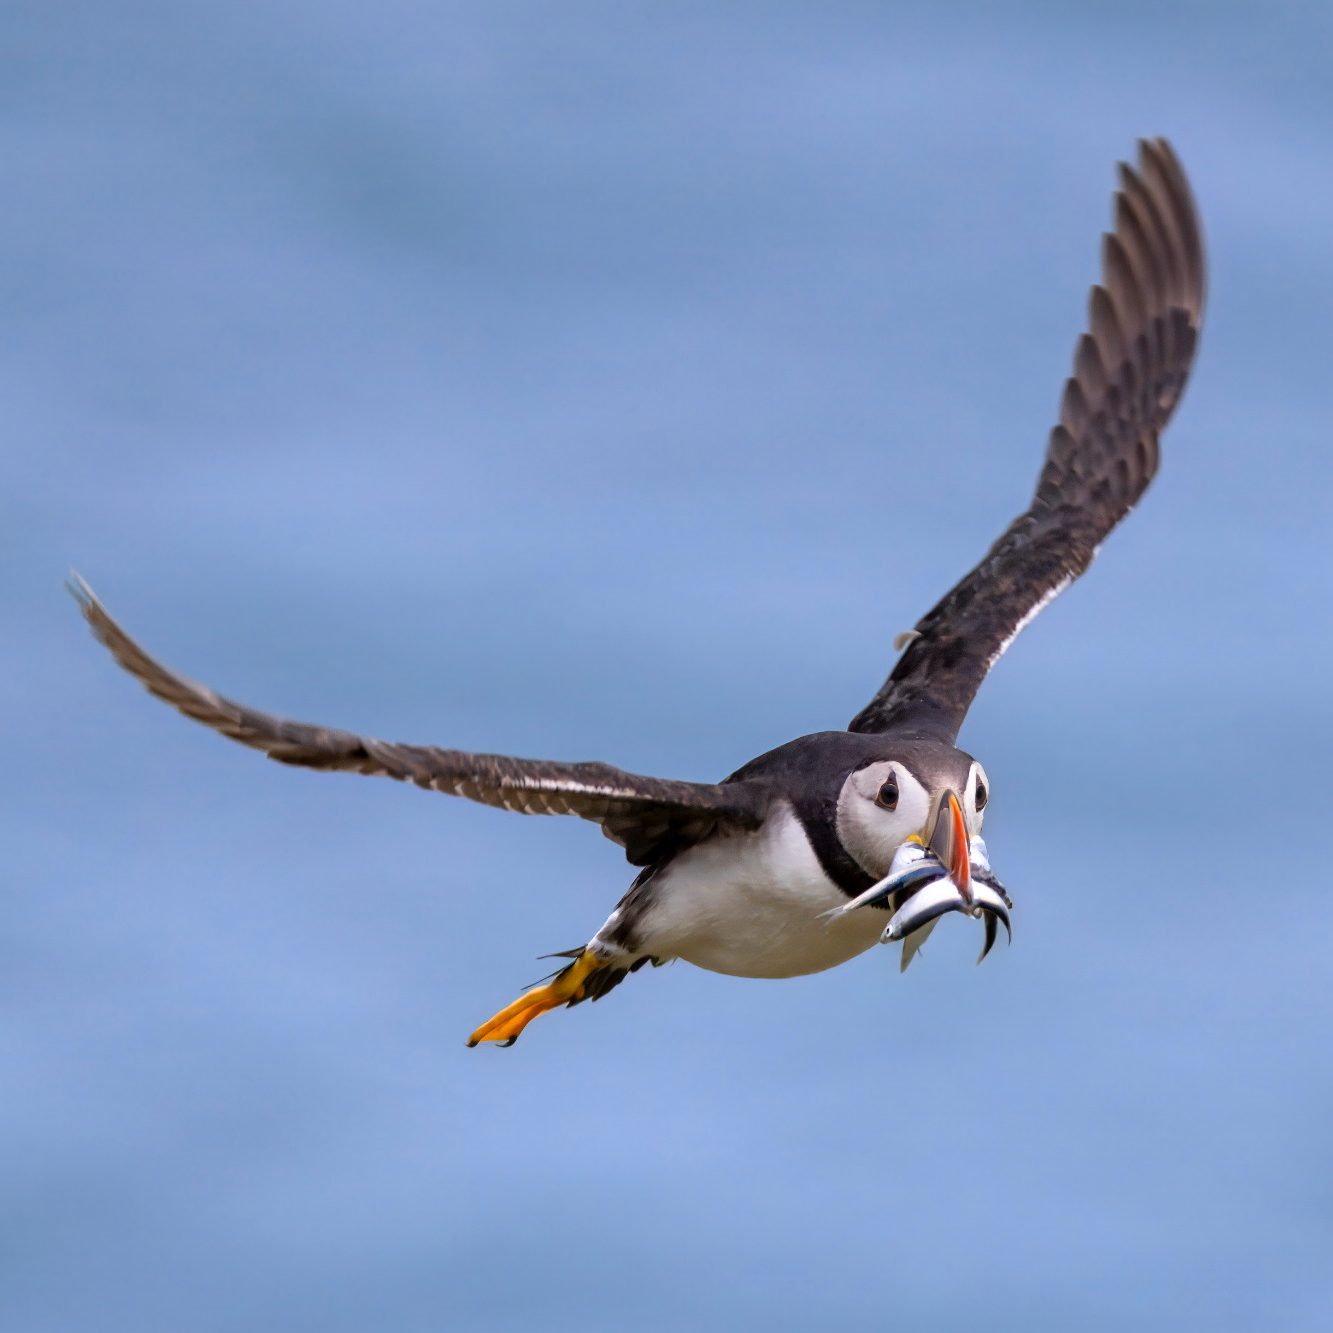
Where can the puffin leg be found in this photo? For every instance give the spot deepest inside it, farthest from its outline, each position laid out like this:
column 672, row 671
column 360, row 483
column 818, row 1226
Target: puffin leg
column 568, row 986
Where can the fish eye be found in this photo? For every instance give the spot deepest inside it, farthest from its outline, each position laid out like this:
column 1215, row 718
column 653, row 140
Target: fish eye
column 887, row 796
column 982, row 795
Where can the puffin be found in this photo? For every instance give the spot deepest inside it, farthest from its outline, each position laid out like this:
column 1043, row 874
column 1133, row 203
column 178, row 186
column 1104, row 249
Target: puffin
column 831, row 843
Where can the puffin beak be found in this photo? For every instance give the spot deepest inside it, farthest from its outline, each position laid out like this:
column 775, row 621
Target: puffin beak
column 948, row 840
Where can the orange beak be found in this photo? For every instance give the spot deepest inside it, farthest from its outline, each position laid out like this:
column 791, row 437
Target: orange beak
column 948, row 840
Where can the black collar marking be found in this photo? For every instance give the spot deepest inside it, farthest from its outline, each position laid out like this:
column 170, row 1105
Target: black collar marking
column 819, row 819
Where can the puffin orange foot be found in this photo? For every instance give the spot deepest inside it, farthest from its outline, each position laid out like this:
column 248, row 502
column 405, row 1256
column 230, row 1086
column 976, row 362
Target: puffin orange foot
column 566, row 987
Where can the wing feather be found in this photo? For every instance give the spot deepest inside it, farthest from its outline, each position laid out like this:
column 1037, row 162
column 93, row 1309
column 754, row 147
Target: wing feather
column 650, row 817
column 1130, row 370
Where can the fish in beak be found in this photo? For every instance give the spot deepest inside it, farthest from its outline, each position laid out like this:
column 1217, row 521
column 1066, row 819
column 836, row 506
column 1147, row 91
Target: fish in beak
column 986, row 899
column 913, row 866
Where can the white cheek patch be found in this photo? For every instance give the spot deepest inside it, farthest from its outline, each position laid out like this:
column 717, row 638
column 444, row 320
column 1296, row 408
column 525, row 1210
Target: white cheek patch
column 870, row 833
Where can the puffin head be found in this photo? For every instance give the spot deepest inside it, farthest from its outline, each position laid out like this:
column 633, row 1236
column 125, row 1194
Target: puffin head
column 910, row 814
column 933, row 793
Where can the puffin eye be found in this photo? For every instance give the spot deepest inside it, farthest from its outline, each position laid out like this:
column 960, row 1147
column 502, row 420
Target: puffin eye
column 982, row 796
column 887, row 796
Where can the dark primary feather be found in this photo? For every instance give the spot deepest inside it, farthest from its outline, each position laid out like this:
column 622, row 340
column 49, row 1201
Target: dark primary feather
column 650, row 817
column 1129, row 372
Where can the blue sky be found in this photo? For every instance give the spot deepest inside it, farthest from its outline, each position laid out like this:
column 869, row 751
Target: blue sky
column 614, row 382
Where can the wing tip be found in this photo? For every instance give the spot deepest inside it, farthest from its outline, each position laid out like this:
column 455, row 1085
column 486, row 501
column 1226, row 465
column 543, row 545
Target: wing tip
column 99, row 620
column 77, row 587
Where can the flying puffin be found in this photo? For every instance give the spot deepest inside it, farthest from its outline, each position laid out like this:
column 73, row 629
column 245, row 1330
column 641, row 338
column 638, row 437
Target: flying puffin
column 813, row 852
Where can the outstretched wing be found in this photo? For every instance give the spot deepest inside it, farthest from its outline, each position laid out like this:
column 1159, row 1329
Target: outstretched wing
column 650, row 817
column 1129, row 372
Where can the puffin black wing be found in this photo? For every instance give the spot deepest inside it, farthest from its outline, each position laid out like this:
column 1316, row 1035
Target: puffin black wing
column 652, row 818
column 1129, row 372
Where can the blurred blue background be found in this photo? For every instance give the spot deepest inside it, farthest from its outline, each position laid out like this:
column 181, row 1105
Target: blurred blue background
column 599, row 381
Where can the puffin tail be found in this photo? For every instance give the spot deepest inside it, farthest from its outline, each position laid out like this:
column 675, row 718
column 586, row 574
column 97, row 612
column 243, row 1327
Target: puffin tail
column 588, row 977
